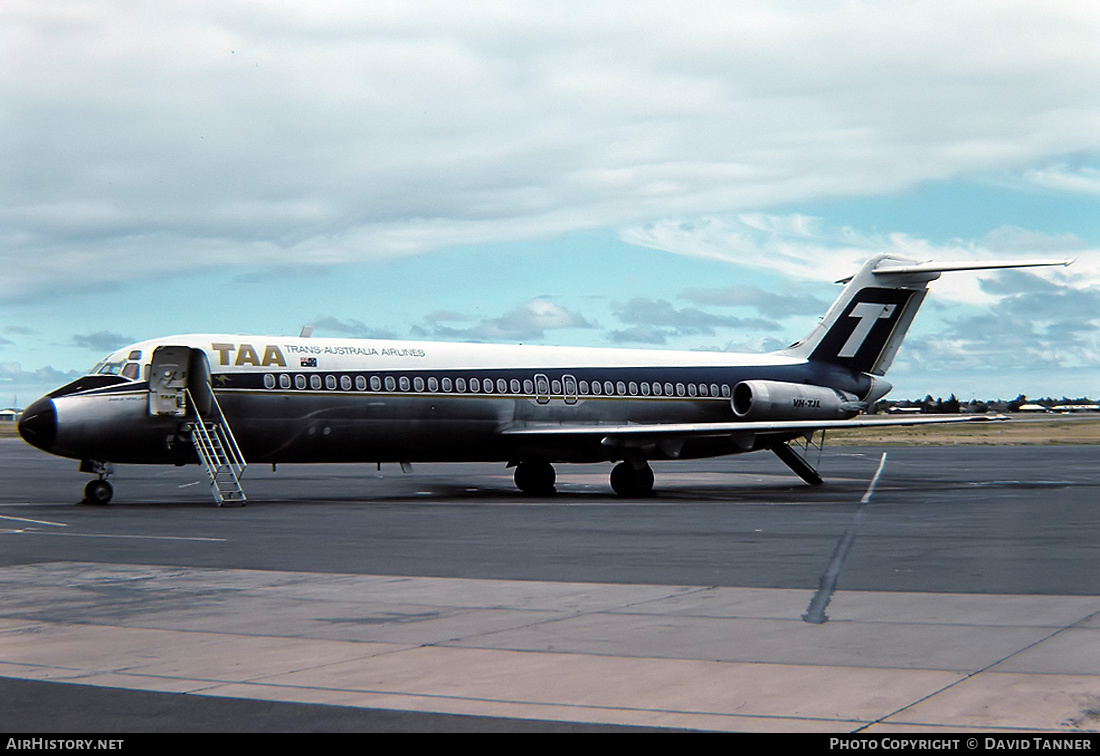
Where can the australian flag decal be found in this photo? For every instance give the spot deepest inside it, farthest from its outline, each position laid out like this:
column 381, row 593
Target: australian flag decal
column 309, row 362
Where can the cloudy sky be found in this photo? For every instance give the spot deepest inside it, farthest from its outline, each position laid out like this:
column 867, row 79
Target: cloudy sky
column 685, row 174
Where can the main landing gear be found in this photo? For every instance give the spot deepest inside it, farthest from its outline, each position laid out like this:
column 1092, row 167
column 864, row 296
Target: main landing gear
column 98, row 491
column 536, row 478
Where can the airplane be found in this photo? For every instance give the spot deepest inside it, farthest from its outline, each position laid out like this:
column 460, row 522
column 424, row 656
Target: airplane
column 218, row 400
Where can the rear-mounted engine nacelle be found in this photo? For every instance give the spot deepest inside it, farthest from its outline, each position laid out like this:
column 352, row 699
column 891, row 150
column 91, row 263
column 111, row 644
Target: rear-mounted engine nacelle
column 777, row 400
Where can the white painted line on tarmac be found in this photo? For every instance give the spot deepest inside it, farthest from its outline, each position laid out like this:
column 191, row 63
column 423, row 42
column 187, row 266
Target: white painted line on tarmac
column 32, row 531
column 36, row 522
column 874, row 481
column 815, row 612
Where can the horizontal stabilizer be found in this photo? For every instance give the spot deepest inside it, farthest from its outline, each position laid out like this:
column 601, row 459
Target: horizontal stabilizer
column 888, row 266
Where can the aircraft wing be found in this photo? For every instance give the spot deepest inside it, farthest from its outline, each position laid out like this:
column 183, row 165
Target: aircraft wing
column 702, row 430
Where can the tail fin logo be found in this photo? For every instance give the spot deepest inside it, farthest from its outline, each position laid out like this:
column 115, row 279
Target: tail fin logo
column 860, row 335
column 868, row 313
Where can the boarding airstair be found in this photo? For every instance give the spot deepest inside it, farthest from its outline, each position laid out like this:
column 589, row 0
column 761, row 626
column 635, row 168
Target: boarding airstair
column 180, row 386
column 219, row 454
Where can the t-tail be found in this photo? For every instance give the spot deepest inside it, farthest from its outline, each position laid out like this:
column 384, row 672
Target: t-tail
column 864, row 327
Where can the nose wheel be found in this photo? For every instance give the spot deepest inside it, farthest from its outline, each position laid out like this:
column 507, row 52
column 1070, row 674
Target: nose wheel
column 98, row 492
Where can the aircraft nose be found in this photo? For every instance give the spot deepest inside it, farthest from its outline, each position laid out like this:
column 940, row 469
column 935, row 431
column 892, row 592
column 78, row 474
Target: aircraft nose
column 38, row 424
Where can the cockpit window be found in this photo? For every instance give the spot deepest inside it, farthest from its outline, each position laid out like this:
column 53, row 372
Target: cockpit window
column 110, row 368
column 124, row 368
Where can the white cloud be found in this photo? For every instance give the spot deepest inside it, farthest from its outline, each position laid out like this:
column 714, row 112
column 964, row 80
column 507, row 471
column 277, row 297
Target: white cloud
column 806, row 249
column 25, row 385
column 1082, row 179
column 528, row 322
column 101, row 341
column 351, row 327
column 145, row 138
column 654, row 321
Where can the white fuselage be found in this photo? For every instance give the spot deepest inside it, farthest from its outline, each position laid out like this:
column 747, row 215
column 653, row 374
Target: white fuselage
column 314, row 400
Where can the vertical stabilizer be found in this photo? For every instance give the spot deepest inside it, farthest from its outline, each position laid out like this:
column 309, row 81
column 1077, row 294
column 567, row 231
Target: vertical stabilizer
column 864, row 327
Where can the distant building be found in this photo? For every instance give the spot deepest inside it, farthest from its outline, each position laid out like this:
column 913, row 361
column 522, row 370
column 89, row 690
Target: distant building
column 10, row 415
column 1076, row 408
column 1030, row 407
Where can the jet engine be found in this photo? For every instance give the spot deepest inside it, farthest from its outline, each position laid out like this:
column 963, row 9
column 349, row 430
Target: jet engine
column 778, row 400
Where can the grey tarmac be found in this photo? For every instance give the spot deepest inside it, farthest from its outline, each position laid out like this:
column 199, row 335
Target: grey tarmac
column 963, row 595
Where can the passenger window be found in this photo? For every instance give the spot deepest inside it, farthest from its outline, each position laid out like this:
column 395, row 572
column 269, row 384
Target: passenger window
column 542, row 389
column 360, row 383
column 269, row 381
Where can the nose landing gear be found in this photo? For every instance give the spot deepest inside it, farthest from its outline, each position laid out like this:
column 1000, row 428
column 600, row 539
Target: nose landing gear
column 98, row 491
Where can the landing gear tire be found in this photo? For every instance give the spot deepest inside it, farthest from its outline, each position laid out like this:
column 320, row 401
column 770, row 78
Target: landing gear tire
column 628, row 480
column 535, row 478
column 98, row 492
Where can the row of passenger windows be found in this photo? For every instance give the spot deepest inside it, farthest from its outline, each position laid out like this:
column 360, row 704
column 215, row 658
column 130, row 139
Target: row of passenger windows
column 531, row 387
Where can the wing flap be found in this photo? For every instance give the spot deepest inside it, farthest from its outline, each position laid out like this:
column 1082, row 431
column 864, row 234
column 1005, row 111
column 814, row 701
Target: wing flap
column 701, row 430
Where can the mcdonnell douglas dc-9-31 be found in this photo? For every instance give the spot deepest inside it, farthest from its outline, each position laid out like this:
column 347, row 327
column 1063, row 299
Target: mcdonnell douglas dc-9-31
column 217, row 400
